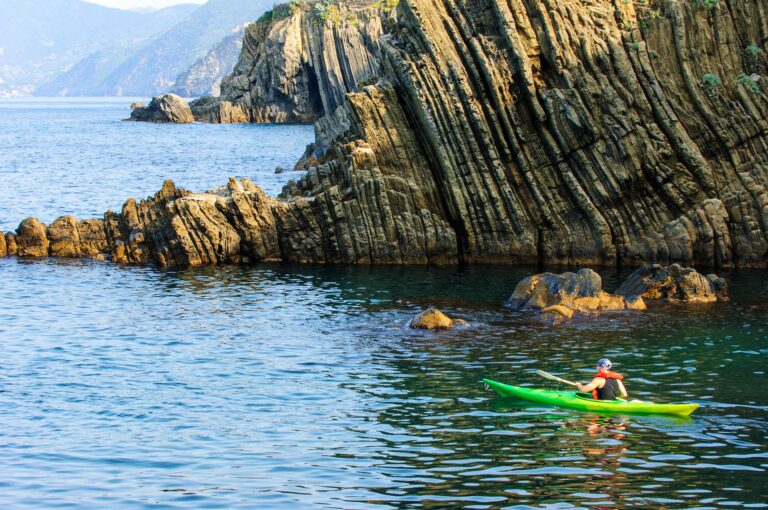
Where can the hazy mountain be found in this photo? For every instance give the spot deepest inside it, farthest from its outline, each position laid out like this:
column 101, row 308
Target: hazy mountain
column 153, row 67
column 42, row 38
column 205, row 76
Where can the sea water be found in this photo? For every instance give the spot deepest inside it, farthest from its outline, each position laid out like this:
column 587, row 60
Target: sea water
column 289, row 386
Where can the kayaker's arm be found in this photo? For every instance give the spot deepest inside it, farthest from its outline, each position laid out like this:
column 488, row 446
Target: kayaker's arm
column 597, row 382
column 622, row 390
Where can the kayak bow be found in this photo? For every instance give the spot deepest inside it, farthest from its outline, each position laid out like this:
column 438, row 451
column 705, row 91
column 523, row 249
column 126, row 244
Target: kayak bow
column 585, row 402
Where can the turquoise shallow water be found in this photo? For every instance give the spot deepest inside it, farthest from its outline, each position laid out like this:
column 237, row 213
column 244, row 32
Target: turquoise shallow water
column 302, row 386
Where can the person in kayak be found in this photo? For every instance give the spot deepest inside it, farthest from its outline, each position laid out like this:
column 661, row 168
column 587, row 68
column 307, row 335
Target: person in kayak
column 605, row 385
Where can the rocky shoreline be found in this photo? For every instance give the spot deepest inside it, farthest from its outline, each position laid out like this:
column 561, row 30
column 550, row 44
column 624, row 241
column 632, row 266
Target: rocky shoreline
column 477, row 132
column 567, row 295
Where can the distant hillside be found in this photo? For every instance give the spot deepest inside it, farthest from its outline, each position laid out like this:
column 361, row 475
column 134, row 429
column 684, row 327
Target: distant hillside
column 152, row 67
column 43, row 38
column 206, row 74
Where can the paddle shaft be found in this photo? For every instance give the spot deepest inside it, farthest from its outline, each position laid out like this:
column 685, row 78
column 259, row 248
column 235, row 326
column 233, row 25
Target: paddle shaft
column 555, row 378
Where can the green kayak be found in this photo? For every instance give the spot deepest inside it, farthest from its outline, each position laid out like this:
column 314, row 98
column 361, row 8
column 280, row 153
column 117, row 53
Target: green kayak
column 585, row 402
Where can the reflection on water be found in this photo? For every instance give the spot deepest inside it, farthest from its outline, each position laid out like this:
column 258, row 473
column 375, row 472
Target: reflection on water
column 278, row 386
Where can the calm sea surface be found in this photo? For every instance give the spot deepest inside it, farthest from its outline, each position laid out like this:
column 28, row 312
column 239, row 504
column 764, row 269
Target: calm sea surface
column 280, row 386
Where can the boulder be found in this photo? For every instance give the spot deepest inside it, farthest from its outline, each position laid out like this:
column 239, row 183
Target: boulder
column 10, row 244
column 673, row 283
column 31, row 239
column 169, row 108
column 64, row 238
column 280, row 170
column 432, row 318
column 567, row 294
column 137, row 104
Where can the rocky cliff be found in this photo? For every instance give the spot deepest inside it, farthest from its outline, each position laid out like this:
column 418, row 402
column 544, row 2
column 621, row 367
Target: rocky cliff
column 484, row 131
column 299, row 61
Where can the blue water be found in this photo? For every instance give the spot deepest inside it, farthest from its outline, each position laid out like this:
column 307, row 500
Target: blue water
column 285, row 386
column 76, row 156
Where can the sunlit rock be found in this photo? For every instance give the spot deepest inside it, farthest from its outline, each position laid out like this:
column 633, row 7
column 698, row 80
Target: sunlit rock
column 432, row 318
column 567, row 294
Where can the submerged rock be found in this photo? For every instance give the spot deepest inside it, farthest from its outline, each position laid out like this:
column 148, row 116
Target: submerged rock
column 169, row 108
column 673, row 283
column 432, row 318
column 567, row 294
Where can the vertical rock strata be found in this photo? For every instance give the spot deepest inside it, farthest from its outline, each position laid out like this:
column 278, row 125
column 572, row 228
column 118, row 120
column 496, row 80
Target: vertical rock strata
column 484, row 131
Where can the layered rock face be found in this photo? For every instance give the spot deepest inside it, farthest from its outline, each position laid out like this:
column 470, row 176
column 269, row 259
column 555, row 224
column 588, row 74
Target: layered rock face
column 297, row 64
column 560, row 132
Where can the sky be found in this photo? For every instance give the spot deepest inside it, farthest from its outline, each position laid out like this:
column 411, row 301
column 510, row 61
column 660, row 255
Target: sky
column 129, row 4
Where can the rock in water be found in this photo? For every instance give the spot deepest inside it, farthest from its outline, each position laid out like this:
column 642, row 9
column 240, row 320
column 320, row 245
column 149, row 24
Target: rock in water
column 673, row 283
column 31, row 239
column 568, row 293
column 137, row 104
column 432, row 318
column 169, row 108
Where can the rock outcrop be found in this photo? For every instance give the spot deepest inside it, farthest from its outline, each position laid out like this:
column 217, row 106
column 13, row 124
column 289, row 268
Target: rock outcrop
column 299, row 62
column 673, row 283
column 434, row 319
column 569, row 293
column 233, row 224
column 560, row 132
column 168, row 108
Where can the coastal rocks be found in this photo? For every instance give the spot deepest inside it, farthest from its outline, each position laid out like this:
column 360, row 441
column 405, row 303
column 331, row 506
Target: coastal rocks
column 567, row 294
column 673, row 283
column 175, row 228
column 434, row 319
column 31, row 239
column 484, row 132
column 169, row 108
column 137, row 104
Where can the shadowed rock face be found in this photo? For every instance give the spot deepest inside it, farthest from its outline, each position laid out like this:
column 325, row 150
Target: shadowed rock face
column 673, row 283
column 559, row 132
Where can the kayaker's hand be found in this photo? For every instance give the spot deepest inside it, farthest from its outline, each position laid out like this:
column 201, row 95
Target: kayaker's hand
column 579, row 386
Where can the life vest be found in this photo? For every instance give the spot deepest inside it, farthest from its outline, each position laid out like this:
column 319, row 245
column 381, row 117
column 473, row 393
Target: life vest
column 605, row 375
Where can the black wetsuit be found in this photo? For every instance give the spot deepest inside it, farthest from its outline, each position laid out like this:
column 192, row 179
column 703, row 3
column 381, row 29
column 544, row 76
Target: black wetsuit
column 610, row 391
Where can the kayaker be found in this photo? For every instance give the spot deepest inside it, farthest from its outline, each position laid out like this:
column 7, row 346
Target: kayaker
column 605, row 385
